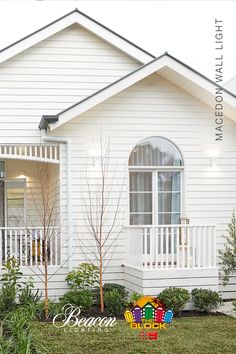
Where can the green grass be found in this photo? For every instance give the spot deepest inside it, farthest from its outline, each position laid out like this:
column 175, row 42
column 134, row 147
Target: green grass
column 196, row 335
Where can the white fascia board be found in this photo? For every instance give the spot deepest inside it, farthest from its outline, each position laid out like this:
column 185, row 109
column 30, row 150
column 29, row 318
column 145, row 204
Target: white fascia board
column 38, row 37
column 132, row 79
column 198, row 80
column 89, row 24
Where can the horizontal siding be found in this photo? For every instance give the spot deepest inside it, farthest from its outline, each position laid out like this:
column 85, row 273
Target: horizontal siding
column 53, row 75
column 155, row 107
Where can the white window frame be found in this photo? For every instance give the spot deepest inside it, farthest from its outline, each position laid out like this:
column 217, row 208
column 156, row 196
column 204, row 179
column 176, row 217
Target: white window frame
column 14, row 183
column 155, row 170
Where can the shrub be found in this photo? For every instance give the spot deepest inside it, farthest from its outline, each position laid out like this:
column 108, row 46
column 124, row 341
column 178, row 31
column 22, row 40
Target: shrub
column 27, row 294
column 133, row 297
column 206, row 299
column 234, row 304
column 228, row 255
column 82, row 277
column 114, row 301
column 19, row 334
column 7, row 300
column 80, row 298
column 174, row 298
column 113, row 286
column 10, row 277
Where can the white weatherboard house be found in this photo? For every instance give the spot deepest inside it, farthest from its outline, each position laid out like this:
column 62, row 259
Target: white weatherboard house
column 64, row 86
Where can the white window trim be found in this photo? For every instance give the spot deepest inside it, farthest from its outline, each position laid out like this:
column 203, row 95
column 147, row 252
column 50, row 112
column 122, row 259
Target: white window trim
column 14, row 183
column 155, row 170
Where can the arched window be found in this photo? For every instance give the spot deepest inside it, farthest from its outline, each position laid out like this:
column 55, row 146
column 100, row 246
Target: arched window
column 155, row 166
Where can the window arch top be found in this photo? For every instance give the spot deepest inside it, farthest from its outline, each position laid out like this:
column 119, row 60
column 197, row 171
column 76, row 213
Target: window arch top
column 155, row 151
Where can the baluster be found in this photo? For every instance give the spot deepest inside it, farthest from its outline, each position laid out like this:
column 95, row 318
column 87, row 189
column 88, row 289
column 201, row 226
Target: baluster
column 56, row 242
column 188, row 240
column 183, row 246
column 20, row 243
column 16, row 246
column 172, row 245
column 177, row 247
column 41, row 239
column 26, row 248
column 199, row 249
column 193, row 246
column 214, row 245
column 6, row 243
column 157, row 245
column 167, row 246
column 145, row 247
column 161, row 240
column 152, row 257
column 10, row 239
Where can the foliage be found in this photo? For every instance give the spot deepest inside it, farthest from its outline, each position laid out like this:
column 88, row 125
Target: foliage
column 19, row 335
column 107, row 287
column 27, row 294
column 81, row 298
column 7, row 300
column 133, row 297
column 85, row 276
column 114, row 302
column 11, row 273
column 174, row 298
column 10, row 285
column 228, row 255
column 206, row 299
column 234, row 304
column 38, row 310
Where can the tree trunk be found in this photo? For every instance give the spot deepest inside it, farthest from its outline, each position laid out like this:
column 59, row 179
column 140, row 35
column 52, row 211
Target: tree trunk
column 100, row 283
column 45, row 280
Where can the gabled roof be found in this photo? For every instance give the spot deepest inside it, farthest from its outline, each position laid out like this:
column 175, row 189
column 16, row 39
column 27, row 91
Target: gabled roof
column 165, row 65
column 83, row 20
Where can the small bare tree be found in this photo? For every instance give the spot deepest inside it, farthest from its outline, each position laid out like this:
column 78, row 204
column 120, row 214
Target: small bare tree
column 47, row 214
column 103, row 222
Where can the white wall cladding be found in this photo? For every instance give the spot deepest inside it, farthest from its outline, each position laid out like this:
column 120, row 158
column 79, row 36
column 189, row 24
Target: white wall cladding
column 155, row 107
column 53, row 75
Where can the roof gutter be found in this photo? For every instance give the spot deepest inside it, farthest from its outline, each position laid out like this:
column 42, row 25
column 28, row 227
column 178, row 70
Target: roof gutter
column 46, row 120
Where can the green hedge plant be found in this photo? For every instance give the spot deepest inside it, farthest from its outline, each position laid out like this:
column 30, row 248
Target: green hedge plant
column 206, row 299
column 174, row 298
column 85, row 276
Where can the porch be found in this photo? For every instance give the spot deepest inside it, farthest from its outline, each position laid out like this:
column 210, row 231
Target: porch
column 29, row 199
column 159, row 256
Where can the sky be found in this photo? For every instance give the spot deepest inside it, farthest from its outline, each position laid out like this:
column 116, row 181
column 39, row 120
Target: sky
column 186, row 29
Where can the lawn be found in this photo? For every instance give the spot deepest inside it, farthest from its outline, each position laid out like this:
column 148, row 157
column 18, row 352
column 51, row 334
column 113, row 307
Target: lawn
column 211, row 334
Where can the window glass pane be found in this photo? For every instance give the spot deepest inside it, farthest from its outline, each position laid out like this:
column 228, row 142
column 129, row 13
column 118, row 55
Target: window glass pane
column 169, row 181
column 167, row 218
column 141, row 181
column 155, row 151
column 141, row 202
column 140, row 219
column 15, row 207
column 169, row 202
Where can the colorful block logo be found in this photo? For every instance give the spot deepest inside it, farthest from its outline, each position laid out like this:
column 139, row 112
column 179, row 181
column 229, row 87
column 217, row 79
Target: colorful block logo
column 148, row 313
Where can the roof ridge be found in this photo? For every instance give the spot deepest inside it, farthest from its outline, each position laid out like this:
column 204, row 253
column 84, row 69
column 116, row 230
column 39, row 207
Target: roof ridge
column 66, row 15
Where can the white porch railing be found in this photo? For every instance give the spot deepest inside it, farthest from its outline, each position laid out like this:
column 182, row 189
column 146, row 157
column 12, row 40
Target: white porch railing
column 27, row 245
column 171, row 246
column 44, row 153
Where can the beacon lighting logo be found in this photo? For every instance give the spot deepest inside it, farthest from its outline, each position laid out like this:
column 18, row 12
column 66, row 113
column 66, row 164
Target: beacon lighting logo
column 148, row 315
